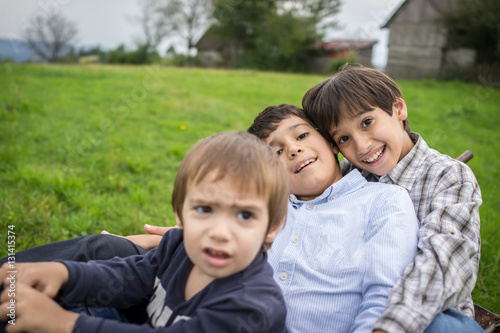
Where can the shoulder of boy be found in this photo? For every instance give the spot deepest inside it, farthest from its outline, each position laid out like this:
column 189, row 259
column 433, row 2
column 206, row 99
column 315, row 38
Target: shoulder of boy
column 450, row 170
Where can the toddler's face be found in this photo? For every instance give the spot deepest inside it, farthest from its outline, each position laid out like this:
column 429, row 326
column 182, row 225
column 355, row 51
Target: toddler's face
column 224, row 229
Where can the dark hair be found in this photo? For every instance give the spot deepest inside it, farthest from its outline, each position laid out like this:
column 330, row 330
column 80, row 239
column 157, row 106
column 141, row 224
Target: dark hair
column 351, row 90
column 269, row 119
column 246, row 161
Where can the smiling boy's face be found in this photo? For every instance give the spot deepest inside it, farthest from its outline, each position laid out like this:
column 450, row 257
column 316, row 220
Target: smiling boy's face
column 307, row 156
column 374, row 140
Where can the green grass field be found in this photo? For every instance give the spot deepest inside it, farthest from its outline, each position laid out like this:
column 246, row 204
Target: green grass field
column 86, row 148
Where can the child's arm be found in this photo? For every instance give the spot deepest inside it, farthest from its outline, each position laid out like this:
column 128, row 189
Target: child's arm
column 445, row 269
column 119, row 282
column 46, row 277
column 257, row 310
column 390, row 246
column 36, row 312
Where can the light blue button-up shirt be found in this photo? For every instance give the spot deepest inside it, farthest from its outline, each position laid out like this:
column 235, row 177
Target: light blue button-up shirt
column 338, row 256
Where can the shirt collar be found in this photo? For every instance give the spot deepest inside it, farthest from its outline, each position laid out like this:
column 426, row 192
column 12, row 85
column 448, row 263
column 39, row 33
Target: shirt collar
column 347, row 184
column 404, row 172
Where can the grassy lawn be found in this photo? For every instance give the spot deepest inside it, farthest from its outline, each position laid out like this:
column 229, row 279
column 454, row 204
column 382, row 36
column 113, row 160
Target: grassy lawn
column 86, row 148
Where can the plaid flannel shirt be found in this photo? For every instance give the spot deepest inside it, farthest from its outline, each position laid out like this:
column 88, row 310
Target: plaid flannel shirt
column 446, row 197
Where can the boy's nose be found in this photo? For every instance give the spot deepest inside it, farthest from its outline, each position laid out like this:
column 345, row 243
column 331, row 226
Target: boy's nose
column 294, row 151
column 219, row 231
column 362, row 145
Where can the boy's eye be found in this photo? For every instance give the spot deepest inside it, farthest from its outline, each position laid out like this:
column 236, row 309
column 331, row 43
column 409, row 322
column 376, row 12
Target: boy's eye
column 343, row 139
column 279, row 152
column 302, row 136
column 245, row 215
column 367, row 122
column 203, row 209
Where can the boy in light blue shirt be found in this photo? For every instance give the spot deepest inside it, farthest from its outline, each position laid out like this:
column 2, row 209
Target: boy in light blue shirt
column 346, row 242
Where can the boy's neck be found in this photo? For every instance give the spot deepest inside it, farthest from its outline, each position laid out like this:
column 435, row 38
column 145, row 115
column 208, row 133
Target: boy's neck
column 310, row 198
column 410, row 141
column 196, row 282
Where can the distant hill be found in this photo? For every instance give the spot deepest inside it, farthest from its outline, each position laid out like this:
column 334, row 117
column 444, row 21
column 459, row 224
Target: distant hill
column 19, row 51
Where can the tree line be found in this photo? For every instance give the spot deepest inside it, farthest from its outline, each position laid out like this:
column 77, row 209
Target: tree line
column 267, row 34
column 270, row 34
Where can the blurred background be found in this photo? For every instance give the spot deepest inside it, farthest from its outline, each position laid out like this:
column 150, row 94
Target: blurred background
column 104, row 26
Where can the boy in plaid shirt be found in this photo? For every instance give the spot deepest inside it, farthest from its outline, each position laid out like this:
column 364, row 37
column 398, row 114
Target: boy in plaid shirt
column 362, row 111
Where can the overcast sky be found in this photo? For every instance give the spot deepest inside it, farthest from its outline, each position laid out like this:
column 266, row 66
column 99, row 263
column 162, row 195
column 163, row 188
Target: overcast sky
column 108, row 23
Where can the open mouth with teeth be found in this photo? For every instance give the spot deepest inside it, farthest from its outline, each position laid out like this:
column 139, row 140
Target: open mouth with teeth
column 375, row 157
column 306, row 163
column 216, row 258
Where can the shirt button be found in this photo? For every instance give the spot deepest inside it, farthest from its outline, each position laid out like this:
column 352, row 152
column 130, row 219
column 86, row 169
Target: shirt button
column 309, row 207
column 452, row 231
column 283, row 276
column 295, row 239
column 332, row 198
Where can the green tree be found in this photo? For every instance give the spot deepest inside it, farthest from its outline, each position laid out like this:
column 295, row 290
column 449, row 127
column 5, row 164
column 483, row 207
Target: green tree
column 274, row 34
column 240, row 19
column 285, row 43
column 475, row 24
column 141, row 55
column 321, row 12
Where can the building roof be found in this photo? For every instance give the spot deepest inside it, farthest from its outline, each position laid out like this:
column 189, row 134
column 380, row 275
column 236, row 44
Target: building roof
column 211, row 40
column 438, row 4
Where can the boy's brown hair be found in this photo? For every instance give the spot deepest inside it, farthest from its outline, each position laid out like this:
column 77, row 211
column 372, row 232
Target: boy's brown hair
column 351, row 90
column 248, row 162
column 270, row 118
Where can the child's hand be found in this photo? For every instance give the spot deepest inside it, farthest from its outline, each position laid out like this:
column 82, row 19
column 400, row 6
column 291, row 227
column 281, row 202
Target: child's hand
column 46, row 277
column 154, row 230
column 35, row 312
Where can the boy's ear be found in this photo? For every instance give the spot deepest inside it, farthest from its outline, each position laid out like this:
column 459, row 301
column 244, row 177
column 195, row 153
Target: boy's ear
column 399, row 108
column 271, row 235
column 178, row 220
